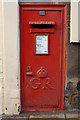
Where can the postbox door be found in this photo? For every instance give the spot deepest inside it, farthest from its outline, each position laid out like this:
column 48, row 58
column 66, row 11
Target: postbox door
column 41, row 51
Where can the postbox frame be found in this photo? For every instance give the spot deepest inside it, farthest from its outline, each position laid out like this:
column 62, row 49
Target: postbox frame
column 59, row 7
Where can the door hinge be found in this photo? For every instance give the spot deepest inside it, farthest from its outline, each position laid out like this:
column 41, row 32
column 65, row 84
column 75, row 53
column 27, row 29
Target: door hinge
column 23, row 78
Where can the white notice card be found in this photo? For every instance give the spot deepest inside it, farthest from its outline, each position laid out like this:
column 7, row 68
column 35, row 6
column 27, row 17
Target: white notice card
column 41, row 44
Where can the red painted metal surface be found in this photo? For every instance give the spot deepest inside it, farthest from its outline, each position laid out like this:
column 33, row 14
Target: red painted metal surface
column 42, row 75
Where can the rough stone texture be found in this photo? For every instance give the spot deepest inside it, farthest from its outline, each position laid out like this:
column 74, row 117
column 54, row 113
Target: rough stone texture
column 51, row 118
column 48, row 117
column 13, row 118
column 73, row 118
column 56, row 115
column 70, row 116
column 72, row 69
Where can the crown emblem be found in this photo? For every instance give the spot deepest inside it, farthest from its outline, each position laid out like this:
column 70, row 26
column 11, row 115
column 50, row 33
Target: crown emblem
column 42, row 73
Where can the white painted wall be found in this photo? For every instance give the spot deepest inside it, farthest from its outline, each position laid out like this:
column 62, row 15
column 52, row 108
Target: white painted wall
column 79, row 21
column 1, row 74
column 11, row 56
column 9, row 47
column 75, row 22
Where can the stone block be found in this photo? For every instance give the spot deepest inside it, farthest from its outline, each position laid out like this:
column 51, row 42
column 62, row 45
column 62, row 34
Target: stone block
column 48, row 117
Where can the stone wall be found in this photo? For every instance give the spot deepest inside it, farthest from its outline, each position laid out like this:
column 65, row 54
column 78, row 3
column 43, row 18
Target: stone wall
column 72, row 82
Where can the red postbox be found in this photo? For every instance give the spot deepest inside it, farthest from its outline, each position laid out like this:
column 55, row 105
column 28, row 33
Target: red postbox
column 42, row 56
